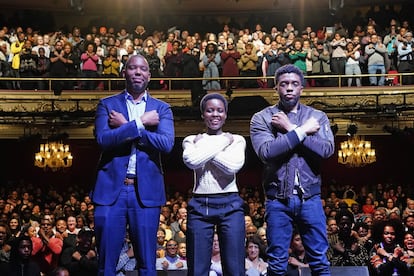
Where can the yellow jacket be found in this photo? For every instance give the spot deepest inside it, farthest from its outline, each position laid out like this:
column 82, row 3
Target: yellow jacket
column 111, row 67
column 15, row 50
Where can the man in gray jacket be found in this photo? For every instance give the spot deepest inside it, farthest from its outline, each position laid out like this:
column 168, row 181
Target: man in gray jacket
column 376, row 60
column 292, row 139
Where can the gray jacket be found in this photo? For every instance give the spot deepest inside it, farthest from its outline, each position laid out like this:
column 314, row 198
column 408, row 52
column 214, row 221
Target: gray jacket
column 285, row 156
column 376, row 54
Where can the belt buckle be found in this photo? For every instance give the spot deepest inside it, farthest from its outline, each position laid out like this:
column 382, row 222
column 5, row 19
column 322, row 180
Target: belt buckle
column 130, row 181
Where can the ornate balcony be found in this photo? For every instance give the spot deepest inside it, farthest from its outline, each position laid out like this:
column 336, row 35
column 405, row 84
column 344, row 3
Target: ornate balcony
column 376, row 109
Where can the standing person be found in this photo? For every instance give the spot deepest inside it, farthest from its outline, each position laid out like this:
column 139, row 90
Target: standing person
column 133, row 129
column 58, row 67
column 90, row 66
column 352, row 63
column 292, row 139
column 191, row 60
column 338, row 55
column 215, row 157
column 230, row 57
column 376, row 62
column 211, row 61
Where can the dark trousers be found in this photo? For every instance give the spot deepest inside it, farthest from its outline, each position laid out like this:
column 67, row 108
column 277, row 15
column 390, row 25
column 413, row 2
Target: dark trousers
column 204, row 214
column 89, row 84
column 406, row 66
column 310, row 219
column 110, row 230
column 338, row 68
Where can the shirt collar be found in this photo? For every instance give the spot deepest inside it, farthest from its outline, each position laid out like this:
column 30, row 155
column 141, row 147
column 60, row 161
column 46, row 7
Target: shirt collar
column 128, row 96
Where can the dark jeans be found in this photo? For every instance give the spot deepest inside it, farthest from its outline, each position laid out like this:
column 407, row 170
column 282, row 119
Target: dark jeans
column 311, row 224
column 89, row 85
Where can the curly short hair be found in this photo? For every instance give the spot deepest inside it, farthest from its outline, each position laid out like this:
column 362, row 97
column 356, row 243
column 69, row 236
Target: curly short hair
column 287, row 69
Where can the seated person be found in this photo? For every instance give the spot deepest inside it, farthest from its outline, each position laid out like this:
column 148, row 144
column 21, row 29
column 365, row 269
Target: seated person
column 126, row 261
column 215, row 268
column 297, row 258
column 171, row 261
column 81, row 259
column 344, row 249
column 46, row 247
column 255, row 250
column 4, row 246
column 385, row 255
column 21, row 262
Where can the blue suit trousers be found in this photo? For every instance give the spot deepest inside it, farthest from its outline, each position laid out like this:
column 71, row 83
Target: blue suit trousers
column 110, row 229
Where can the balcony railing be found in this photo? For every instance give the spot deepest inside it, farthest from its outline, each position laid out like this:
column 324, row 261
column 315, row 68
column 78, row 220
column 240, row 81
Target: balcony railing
column 112, row 84
column 372, row 107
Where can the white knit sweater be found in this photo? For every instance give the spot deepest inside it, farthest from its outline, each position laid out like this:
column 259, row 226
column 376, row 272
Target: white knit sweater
column 215, row 162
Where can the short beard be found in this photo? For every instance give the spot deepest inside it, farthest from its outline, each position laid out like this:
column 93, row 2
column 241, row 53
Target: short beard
column 138, row 87
column 288, row 105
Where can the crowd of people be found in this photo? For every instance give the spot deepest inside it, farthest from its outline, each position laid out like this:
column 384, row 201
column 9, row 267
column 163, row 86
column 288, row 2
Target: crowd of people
column 251, row 56
column 50, row 230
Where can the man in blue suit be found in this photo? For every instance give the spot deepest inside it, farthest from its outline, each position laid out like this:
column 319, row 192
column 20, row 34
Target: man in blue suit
column 133, row 129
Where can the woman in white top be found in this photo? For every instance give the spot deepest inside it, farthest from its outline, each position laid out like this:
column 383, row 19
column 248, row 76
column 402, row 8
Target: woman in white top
column 352, row 63
column 215, row 157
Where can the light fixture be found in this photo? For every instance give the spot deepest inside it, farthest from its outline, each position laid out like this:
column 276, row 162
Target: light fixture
column 356, row 152
column 53, row 155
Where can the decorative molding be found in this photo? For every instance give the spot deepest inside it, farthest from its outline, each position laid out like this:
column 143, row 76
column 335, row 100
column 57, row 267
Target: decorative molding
column 371, row 108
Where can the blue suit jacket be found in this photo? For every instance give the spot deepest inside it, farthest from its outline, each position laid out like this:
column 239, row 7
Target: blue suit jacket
column 116, row 149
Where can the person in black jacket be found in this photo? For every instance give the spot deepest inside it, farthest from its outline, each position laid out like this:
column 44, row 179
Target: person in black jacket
column 21, row 263
column 82, row 259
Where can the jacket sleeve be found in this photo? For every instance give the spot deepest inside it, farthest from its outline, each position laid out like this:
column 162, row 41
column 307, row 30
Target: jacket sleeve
column 162, row 138
column 269, row 144
column 159, row 138
column 322, row 142
column 55, row 245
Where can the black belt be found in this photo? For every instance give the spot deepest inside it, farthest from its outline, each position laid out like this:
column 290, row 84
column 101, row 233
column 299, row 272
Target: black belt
column 215, row 195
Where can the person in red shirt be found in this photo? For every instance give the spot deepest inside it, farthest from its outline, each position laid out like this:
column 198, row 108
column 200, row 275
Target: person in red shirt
column 46, row 247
